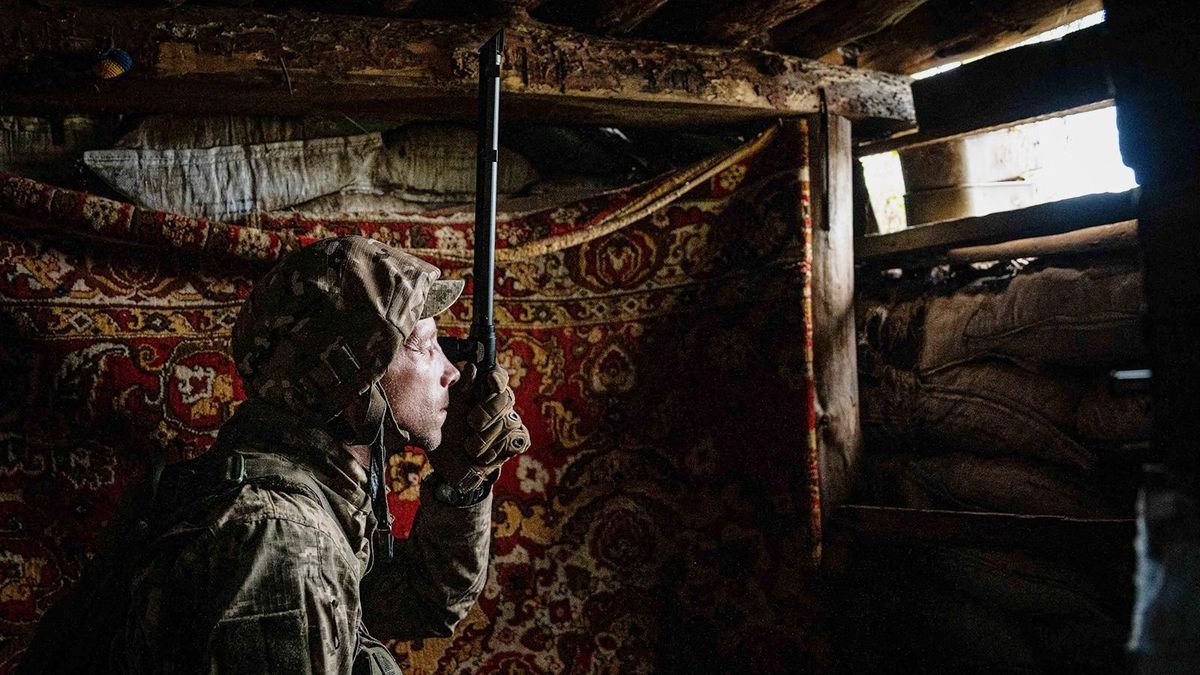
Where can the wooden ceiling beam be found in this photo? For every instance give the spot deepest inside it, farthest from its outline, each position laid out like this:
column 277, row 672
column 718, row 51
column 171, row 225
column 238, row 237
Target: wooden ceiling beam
column 835, row 23
column 943, row 31
column 740, row 22
column 621, row 17
column 213, row 60
column 1018, row 86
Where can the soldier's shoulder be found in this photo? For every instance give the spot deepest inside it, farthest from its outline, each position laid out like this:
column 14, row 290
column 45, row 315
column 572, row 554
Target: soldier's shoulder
column 281, row 500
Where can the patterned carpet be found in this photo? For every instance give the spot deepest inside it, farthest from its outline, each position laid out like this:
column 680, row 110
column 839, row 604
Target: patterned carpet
column 667, row 518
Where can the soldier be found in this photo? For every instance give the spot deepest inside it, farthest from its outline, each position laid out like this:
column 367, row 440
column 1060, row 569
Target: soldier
column 257, row 556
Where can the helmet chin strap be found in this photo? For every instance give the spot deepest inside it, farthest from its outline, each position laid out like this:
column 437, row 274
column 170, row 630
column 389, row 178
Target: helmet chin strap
column 379, row 413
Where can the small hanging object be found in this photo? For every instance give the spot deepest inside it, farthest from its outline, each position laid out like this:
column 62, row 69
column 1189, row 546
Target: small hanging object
column 113, row 63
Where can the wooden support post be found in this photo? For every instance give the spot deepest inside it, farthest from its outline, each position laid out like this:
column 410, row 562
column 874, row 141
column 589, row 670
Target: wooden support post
column 1158, row 116
column 835, row 350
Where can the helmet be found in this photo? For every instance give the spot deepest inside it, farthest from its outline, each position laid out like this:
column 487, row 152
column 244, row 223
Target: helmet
column 319, row 330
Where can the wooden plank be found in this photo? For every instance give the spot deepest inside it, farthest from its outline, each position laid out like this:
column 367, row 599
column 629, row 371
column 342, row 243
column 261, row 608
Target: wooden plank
column 834, row 23
column 742, row 21
column 1014, row 87
column 942, row 31
column 980, row 528
column 216, row 60
column 926, row 243
column 606, row 17
column 835, row 345
column 1117, row 236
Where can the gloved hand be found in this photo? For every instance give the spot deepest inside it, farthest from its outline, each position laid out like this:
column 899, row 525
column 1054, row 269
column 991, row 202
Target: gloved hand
column 481, row 432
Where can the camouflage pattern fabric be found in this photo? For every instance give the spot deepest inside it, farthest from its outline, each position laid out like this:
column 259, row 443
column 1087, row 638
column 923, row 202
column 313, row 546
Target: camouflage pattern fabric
column 322, row 325
column 259, row 568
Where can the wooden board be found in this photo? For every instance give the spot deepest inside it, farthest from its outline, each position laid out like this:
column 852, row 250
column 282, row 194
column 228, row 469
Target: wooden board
column 218, row 60
column 1014, row 87
column 834, row 23
column 926, row 243
column 942, row 31
column 835, row 344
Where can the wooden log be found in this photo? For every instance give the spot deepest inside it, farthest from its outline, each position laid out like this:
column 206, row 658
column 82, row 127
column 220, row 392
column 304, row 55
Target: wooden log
column 834, row 23
column 942, row 31
column 740, row 22
column 927, row 243
column 212, row 60
column 835, row 346
column 1117, row 236
column 1042, row 80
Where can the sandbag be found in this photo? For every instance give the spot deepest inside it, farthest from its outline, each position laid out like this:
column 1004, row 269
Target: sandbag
column 1118, row 418
column 989, row 408
column 435, row 163
column 166, row 132
column 965, row 482
column 230, row 182
column 1054, row 315
column 29, row 148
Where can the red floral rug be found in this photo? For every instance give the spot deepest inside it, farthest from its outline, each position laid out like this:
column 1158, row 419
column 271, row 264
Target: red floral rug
column 667, row 518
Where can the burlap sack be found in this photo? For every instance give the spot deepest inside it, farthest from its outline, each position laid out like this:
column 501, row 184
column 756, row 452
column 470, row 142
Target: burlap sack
column 989, row 408
column 964, row 482
column 1054, row 315
column 230, row 182
column 1117, row 418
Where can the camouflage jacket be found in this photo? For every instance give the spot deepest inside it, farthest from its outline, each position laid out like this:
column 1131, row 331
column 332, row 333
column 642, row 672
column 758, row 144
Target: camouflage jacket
column 263, row 575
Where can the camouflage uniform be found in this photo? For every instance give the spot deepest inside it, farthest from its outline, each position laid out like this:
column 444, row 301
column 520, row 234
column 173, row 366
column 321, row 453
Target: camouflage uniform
column 269, row 579
column 257, row 556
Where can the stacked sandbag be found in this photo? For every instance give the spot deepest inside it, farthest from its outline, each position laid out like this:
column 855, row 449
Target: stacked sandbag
column 228, row 168
column 992, row 394
column 1013, row 365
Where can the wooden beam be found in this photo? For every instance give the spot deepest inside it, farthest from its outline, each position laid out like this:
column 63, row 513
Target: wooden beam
column 835, row 345
column 927, row 243
column 942, row 31
column 620, row 17
column 740, row 22
column 1114, row 237
column 1014, row 87
column 211, row 60
column 834, row 23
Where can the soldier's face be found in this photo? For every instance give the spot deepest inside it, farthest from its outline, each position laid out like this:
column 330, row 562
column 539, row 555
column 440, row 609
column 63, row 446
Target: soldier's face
column 417, row 385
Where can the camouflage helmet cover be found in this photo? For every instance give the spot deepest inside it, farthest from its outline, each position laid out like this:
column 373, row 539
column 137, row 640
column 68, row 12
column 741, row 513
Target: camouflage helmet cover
column 322, row 326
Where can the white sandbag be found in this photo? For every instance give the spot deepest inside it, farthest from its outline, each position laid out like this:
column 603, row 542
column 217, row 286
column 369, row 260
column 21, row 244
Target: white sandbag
column 165, row 132
column 229, row 182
